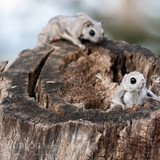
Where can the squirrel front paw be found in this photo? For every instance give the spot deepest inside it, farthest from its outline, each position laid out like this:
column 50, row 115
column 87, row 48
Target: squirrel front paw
column 81, row 46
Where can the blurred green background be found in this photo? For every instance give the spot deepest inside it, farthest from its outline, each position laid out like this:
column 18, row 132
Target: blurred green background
column 134, row 21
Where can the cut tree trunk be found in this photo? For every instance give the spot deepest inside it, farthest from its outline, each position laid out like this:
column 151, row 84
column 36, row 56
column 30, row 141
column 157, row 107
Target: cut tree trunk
column 53, row 106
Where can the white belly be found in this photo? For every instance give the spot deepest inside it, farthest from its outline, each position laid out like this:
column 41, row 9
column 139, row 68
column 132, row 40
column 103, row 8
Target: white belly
column 129, row 100
column 137, row 98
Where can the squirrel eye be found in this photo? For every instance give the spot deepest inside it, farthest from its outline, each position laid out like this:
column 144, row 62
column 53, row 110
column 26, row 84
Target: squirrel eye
column 92, row 32
column 133, row 81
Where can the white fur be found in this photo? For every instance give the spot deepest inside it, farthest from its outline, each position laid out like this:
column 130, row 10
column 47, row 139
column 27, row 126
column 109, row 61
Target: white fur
column 129, row 94
column 72, row 28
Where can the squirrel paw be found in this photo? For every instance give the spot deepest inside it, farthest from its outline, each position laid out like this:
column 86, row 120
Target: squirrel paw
column 54, row 40
column 82, row 46
column 134, row 107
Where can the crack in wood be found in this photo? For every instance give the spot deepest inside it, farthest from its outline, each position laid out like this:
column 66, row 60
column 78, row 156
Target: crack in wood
column 34, row 74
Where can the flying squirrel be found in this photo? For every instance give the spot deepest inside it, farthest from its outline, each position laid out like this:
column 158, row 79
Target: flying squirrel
column 132, row 91
column 72, row 28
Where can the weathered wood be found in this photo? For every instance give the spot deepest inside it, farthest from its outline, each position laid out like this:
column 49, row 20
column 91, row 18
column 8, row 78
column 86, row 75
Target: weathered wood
column 3, row 65
column 53, row 106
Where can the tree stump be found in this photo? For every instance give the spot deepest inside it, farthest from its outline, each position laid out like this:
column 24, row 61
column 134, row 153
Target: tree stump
column 53, row 106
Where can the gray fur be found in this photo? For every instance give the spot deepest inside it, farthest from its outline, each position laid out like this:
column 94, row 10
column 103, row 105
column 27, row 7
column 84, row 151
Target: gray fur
column 72, row 28
column 129, row 94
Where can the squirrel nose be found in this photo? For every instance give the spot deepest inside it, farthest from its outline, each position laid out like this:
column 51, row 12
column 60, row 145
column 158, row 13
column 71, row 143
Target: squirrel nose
column 142, row 83
column 99, row 39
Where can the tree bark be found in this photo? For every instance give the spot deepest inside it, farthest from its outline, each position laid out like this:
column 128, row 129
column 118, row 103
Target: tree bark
column 3, row 65
column 53, row 106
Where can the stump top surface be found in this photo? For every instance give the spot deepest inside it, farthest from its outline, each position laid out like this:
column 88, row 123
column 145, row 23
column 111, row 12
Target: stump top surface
column 44, row 85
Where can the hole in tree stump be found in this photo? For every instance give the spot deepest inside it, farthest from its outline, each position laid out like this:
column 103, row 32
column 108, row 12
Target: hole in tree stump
column 93, row 77
column 90, row 77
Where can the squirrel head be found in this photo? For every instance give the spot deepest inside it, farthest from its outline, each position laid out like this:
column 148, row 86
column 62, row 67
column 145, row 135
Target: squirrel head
column 92, row 31
column 134, row 81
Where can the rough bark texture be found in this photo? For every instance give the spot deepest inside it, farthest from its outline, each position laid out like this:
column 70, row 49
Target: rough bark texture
column 53, row 105
column 3, row 65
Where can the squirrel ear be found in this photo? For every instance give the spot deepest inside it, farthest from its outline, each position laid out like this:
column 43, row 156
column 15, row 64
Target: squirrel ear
column 88, row 23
